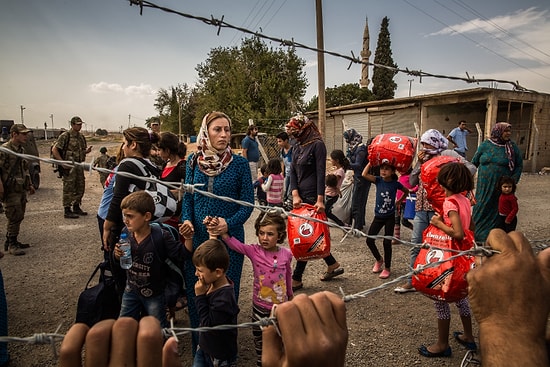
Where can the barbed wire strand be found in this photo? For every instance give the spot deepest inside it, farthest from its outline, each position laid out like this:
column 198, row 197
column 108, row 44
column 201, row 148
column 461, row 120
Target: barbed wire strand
column 220, row 23
column 52, row 338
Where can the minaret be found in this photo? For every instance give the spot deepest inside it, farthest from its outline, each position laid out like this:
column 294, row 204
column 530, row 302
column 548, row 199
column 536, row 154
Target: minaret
column 365, row 54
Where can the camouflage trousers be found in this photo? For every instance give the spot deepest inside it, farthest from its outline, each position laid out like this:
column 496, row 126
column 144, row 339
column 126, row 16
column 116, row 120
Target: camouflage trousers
column 73, row 186
column 14, row 207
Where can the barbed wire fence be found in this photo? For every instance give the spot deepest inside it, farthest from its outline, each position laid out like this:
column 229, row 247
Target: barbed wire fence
column 220, row 23
column 52, row 338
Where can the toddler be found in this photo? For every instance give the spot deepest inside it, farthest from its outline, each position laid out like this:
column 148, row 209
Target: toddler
column 271, row 264
column 333, row 182
column 507, row 205
column 260, row 193
column 273, row 186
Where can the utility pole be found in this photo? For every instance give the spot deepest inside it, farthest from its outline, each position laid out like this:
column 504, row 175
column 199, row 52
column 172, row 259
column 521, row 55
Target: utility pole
column 410, row 86
column 320, row 66
column 22, row 120
column 51, row 116
column 129, row 116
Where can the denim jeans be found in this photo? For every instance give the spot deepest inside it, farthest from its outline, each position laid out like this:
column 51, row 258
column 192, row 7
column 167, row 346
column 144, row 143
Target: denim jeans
column 359, row 196
column 133, row 305
column 204, row 360
column 420, row 223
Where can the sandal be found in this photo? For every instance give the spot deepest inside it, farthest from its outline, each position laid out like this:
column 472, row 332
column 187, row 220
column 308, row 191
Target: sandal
column 468, row 345
column 328, row 276
column 423, row 350
column 297, row 287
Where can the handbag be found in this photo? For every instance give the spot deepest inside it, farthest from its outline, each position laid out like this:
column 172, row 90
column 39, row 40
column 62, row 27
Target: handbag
column 308, row 239
column 101, row 301
column 166, row 203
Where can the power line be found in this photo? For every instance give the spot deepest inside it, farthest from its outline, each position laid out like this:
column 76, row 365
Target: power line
column 475, row 12
column 220, row 23
column 245, row 20
column 474, row 41
column 491, row 34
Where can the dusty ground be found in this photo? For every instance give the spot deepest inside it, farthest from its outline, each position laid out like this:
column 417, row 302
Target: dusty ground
column 385, row 328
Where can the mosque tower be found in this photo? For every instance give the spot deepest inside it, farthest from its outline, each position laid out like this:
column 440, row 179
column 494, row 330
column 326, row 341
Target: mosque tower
column 365, row 54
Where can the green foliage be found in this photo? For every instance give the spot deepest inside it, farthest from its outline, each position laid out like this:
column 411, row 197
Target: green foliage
column 101, row 132
column 382, row 79
column 251, row 82
column 173, row 104
column 341, row 95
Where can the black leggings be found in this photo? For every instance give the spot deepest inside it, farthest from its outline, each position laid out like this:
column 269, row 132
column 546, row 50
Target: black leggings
column 375, row 227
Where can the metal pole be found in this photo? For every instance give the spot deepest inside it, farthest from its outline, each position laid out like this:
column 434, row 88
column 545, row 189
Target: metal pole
column 51, row 116
column 22, row 120
column 410, row 86
column 320, row 66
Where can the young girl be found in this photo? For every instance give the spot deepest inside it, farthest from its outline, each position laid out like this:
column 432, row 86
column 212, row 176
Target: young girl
column 271, row 265
column 273, row 186
column 455, row 178
column 507, row 205
column 384, row 214
column 332, row 185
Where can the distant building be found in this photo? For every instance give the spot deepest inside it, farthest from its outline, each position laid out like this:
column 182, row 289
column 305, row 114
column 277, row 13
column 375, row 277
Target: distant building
column 529, row 114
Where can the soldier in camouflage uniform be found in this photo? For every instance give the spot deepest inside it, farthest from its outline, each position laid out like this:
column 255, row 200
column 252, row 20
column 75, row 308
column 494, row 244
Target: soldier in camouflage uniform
column 102, row 162
column 71, row 146
column 14, row 185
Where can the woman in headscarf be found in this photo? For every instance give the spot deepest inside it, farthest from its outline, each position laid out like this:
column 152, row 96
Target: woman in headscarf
column 496, row 157
column 307, row 183
column 357, row 155
column 222, row 173
column 433, row 144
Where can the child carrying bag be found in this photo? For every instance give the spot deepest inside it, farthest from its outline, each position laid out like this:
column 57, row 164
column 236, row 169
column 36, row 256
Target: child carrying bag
column 308, row 239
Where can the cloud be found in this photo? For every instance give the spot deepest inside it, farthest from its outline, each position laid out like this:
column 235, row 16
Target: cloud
column 131, row 90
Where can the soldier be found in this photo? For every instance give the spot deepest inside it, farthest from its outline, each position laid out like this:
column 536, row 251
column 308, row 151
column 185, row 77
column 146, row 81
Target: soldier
column 15, row 183
column 71, row 146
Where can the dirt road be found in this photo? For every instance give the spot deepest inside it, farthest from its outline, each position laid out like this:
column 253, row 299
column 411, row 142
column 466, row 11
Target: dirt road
column 385, row 329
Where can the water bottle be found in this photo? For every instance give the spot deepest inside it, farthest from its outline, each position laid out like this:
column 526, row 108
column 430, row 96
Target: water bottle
column 126, row 248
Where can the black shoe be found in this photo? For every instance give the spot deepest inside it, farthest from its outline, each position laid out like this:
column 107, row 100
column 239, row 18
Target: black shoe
column 22, row 245
column 77, row 210
column 69, row 213
column 6, row 245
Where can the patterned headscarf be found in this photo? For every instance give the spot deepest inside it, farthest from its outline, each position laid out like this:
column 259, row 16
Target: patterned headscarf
column 211, row 161
column 496, row 138
column 353, row 138
column 304, row 130
column 435, row 139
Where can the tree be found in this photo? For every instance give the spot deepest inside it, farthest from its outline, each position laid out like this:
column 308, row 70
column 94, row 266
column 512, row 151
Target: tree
column 342, row 95
column 382, row 79
column 250, row 81
column 170, row 103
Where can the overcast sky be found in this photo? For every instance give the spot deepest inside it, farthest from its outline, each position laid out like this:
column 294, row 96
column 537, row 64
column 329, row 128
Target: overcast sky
column 104, row 61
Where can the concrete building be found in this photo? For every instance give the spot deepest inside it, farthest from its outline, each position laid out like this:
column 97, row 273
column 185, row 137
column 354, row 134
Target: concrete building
column 529, row 114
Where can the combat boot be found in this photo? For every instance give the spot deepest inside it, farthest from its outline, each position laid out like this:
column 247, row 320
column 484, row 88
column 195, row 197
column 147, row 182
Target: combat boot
column 69, row 213
column 19, row 244
column 13, row 248
column 77, row 210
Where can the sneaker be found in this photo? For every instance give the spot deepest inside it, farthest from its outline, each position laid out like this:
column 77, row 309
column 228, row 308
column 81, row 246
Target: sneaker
column 385, row 274
column 377, row 268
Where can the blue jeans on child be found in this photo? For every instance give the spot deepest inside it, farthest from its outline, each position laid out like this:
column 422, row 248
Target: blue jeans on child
column 204, row 360
column 134, row 305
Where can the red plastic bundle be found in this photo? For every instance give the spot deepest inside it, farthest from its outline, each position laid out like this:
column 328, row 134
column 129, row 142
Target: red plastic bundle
column 446, row 281
column 308, row 239
column 393, row 149
column 428, row 175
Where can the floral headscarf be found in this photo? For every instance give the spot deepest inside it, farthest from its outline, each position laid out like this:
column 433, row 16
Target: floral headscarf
column 304, row 130
column 496, row 138
column 211, row 161
column 353, row 138
column 435, row 139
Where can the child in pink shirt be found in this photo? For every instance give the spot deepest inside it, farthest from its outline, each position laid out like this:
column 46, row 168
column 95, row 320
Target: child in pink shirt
column 271, row 264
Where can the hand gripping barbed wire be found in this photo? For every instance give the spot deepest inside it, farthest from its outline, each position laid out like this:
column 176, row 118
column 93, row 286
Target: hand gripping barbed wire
column 52, row 338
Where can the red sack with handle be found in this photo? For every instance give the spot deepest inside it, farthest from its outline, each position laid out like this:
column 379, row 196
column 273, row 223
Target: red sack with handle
column 428, row 174
column 393, row 149
column 446, row 281
column 308, row 239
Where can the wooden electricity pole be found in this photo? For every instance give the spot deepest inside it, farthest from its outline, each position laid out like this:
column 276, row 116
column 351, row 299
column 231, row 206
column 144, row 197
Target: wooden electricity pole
column 320, row 66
